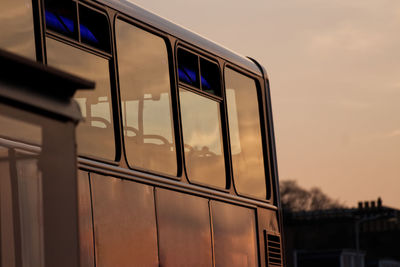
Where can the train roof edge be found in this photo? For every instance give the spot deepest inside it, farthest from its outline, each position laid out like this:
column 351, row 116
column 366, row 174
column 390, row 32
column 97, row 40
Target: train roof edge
column 180, row 32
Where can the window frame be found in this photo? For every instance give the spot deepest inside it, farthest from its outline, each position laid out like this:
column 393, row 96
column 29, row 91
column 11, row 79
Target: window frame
column 260, row 86
column 222, row 110
column 109, row 56
column 93, row 49
column 173, row 97
column 173, row 44
column 200, row 55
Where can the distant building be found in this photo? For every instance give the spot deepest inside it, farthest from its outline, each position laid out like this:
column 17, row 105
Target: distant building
column 366, row 236
column 329, row 258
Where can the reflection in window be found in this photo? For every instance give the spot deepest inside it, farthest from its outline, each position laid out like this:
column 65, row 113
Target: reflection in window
column 16, row 27
column 188, row 68
column 95, row 135
column 94, row 28
column 201, row 127
column 210, row 82
column 146, row 101
column 61, row 17
column 188, row 71
column 245, row 134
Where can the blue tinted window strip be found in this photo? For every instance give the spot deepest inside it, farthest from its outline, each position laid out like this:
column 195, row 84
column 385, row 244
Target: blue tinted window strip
column 183, row 77
column 67, row 26
column 69, row 23
column 187, row 75
column 60, row 23
column 87, row 35
column 53, row 21
column 192, row 74
column 204, row 83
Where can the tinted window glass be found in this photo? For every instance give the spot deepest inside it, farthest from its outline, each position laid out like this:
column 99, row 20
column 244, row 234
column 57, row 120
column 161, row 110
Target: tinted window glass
column 95, row 135
column 210, row 82
column 235, row 241
column 183, row 229
column 94, row 28
column 16, row 27
column 201, row 127
column 188, row 68
column 146, row 101
column 61, row 17
column 245, row 134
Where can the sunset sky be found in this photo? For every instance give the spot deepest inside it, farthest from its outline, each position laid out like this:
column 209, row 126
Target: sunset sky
column 334, row 69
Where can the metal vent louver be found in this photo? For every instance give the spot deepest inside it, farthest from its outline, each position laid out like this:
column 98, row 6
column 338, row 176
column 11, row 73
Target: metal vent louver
column 273, row 250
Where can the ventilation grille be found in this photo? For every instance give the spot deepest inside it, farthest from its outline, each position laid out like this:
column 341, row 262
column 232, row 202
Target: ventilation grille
column 273, row 250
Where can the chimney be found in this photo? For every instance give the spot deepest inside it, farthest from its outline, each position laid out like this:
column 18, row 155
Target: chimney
column 379, row 202
column 360, row 205
column 366, row 204
column 373, row 204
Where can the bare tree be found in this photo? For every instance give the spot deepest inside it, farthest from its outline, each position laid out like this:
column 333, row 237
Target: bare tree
column 296, row 198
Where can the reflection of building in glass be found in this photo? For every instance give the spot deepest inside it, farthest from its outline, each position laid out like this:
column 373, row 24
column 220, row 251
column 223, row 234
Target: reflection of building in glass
column 371, row 230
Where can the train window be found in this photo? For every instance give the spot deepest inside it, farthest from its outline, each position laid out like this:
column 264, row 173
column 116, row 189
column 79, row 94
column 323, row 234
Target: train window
column 93, row 28
column 188, row 71
column 16, row 27
column 188, row 68
column 245, row 134
column 146, row 99
column 201, row 120
column 95, row 135
column 202, row 136
column 210, row 81
column 61, row 17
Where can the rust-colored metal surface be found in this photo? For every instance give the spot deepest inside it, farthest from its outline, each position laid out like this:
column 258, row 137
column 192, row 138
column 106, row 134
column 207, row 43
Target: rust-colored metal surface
column 125, row 223
column 184, row 229
column 86, row 245
column 268, row 220
column 267, row 223
column 235, row 241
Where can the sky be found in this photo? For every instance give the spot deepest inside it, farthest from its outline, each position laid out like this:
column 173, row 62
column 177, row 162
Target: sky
column 334, row 69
